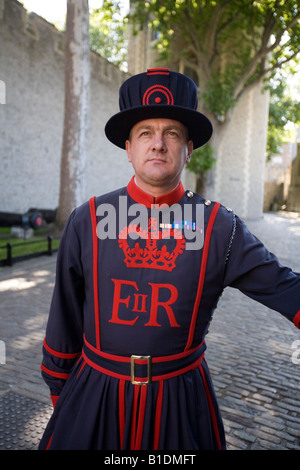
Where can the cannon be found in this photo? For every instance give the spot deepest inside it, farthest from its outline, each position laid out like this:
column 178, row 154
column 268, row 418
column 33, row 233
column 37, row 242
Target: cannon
column 48, row 215
column 31, row 219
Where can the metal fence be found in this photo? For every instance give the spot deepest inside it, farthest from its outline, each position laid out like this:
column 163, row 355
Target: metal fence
column 10, row 247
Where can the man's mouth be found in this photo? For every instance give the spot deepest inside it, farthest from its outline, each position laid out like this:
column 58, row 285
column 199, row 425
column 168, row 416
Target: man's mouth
column 157, row 160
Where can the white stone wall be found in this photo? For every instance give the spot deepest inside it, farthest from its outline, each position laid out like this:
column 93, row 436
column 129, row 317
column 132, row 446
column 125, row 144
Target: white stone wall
column 239, row 172
column 31, row 120
column 31, row 124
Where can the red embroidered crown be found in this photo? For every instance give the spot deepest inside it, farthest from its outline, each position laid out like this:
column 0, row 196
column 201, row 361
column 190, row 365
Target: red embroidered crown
column 150, row 256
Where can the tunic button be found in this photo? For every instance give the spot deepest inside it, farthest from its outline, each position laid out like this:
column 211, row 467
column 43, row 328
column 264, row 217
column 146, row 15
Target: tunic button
column 228, row 209
column 207, row 202
column 190, row 194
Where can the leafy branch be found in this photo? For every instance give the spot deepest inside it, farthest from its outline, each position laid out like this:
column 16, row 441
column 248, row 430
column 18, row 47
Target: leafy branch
column 231, row 44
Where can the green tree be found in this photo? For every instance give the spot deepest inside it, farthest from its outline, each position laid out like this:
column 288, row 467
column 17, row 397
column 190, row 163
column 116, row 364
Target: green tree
column 202, row 160
column 230, row 45
column 108, row 26
column 284, row 112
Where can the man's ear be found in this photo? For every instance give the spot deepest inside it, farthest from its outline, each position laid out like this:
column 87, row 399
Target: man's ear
column 190, row 148
column 127, row 144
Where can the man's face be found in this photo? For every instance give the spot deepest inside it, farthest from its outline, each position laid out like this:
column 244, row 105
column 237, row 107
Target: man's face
column 158, row 150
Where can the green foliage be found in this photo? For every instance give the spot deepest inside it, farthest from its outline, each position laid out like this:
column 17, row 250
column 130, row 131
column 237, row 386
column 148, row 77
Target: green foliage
column 202, row 159
column 218, row 97
column 108, row 29
column 284, row 113
column 231, row 44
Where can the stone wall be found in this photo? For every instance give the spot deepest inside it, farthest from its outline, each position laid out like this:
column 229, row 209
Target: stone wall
column 278, row 178
column 240, row 166
column 31, row 123
column 293, row 202
column 31, row 120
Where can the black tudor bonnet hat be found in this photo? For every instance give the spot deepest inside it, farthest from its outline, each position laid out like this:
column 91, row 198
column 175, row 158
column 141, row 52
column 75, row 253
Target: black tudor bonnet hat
column 158, row 93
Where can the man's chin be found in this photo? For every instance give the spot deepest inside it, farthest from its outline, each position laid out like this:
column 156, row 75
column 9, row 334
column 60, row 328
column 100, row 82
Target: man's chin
column 158, row 179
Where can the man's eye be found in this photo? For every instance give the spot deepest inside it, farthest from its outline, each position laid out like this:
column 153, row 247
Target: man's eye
column 172, row 133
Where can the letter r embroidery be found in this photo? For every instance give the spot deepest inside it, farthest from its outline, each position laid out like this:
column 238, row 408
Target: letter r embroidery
column 155, row 303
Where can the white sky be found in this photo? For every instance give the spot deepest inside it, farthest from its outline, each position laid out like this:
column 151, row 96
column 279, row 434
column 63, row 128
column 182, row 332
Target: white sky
column 53, row 11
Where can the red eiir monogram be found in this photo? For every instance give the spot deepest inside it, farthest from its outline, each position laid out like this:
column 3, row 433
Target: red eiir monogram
column 143, row 298
column 139, row 303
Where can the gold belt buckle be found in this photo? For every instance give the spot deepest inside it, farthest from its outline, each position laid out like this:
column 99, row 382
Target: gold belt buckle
column 149, row 370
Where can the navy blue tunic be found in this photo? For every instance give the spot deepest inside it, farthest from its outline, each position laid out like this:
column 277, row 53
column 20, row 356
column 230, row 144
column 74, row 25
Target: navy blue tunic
column 135, row 278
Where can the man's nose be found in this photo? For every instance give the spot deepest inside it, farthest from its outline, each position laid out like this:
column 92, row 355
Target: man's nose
column 158, row 143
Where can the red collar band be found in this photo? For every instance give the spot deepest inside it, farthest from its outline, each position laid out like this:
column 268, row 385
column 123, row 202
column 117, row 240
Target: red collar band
column 141, row 197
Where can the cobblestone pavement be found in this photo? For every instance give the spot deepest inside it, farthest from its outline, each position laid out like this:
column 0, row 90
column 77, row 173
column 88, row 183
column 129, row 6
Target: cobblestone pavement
column 250, row 354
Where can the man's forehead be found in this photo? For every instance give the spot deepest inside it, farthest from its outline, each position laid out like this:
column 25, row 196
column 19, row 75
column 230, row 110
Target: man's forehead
column 159, row 123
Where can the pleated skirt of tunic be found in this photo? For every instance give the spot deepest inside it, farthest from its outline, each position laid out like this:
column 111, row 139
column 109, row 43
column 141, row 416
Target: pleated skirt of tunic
column 96, row 411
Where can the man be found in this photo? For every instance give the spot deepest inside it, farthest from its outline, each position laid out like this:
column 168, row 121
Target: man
column 139, row 274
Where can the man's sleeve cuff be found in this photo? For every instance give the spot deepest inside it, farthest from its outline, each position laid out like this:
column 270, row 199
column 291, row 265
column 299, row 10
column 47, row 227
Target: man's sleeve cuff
column 296, row 319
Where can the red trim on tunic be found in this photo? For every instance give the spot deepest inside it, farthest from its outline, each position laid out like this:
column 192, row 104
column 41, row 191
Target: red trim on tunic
column 114, row 357
column 49, row 443
column 95, row 269
column 81, row 368
column 141, row 417
column 202, row 273
column 59, row 354
column 58, row 375
column 134, row 416
column 121, row 411
column 54, row 399
column 211, row 409
column 141, row 197
column 158, row 410
column 296, row 320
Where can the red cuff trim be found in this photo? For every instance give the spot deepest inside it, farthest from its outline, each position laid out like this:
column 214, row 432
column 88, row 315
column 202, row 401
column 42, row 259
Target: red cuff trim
column 59, row 354
column 54, row 399
column 57, row 375
column 296, row 319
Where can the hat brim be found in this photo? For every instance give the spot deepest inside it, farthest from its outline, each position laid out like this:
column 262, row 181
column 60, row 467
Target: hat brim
column 118, row 127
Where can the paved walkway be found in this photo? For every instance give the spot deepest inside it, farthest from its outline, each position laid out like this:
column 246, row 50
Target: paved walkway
column 250, row 350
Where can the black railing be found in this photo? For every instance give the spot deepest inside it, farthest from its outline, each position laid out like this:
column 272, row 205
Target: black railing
column 10, row 258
